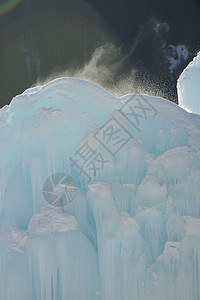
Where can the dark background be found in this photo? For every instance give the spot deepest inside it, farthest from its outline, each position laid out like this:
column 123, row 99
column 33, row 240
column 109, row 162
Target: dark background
column 145, row 43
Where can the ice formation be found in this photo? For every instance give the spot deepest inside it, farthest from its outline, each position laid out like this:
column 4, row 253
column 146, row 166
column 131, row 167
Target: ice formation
column 189, row 87
column 130, row 228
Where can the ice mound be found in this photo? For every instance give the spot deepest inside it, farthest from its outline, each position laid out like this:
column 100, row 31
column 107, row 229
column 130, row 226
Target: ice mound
column 189, row 86
column 99, row 196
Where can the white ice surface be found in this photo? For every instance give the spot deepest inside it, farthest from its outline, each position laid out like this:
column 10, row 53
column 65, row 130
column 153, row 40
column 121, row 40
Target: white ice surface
column 189, row 86
column 132, row 230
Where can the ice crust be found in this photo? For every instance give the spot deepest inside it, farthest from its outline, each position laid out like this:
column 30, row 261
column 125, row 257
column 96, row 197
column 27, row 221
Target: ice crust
column 132, row 231
column 189, row 87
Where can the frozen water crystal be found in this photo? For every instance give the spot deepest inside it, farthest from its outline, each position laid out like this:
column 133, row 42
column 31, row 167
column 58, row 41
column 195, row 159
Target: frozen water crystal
column 189, row 87
column 131, row 227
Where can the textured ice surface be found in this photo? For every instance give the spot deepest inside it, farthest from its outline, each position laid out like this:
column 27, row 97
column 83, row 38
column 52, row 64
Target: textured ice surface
column 189, row 86
column 130, row 228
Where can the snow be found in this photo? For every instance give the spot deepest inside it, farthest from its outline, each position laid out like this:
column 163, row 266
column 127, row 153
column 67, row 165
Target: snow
column 188, row 86
column 48, row 220
column 131, row 227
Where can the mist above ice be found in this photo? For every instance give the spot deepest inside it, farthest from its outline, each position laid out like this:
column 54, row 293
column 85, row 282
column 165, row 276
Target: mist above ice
column 150, row 27
column 129, row 229
column 110, row 68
